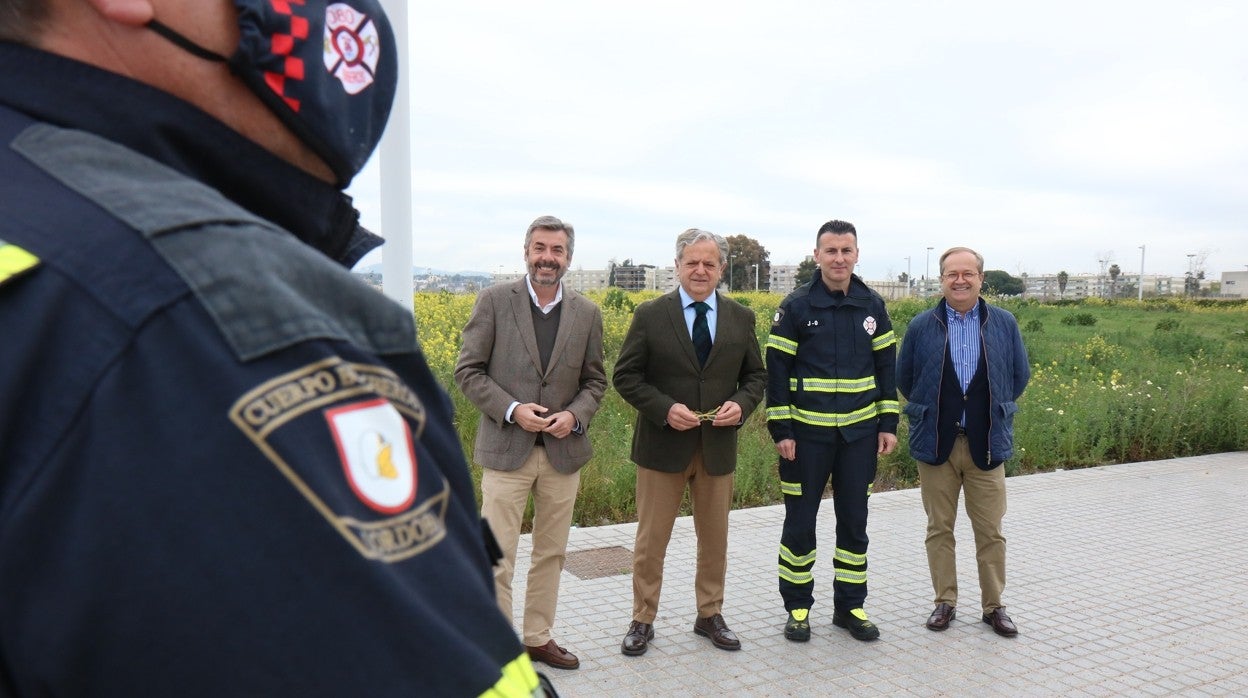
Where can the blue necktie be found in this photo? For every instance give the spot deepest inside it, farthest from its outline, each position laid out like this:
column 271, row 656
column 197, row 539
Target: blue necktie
column 701, row 331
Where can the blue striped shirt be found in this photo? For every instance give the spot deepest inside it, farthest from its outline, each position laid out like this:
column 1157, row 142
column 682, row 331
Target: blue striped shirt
column 963, row 346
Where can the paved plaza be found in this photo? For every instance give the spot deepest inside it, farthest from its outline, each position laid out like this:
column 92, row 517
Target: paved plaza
column 1123, row 579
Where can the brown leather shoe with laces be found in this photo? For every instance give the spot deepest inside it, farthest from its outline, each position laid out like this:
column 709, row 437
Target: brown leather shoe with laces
column 638, row 638
column 717, row 630
column 941, row 617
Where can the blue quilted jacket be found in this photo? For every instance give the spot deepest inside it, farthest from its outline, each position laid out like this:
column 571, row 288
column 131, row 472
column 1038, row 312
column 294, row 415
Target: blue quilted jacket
column 922, row 359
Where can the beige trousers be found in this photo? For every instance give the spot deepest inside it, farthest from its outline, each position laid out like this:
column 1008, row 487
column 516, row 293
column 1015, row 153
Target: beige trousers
column 939, row 486
column 504, row 496
column 658, row 502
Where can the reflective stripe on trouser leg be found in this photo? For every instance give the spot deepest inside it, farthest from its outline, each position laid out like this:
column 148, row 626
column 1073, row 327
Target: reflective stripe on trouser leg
column 802, row 483
column 853, row 472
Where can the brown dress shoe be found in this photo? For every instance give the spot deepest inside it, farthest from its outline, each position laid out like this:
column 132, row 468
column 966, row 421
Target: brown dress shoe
column 941, row 617
column 716, row 629
column 637, row 641
column 554, row 655
column 1001, row 623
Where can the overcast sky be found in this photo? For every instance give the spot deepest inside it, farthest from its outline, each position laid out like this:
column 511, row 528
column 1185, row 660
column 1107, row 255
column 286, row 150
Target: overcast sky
column 1046, row 135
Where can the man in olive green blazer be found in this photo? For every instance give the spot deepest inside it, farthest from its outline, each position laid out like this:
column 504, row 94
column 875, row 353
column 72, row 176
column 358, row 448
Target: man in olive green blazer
column 688, row 410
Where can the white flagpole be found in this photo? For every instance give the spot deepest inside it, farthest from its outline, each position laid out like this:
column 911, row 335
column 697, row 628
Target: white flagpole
column 395, row 153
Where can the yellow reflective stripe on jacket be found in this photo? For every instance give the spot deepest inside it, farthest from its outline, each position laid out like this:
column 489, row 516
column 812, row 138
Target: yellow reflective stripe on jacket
column 796, row 560
column 15, row 260
column 779, row 412
column 889, row 407
column 784, row 344
column 793, row 488
column 833, row 419
column 518, row 679
column 884, row 340
column 833, row 385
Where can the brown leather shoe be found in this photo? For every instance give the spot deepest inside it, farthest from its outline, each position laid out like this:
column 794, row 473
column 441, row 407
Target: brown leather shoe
column 1001, row 623
column 554, row 655
column 716, row 629
column 637, row 641
column 941, row 617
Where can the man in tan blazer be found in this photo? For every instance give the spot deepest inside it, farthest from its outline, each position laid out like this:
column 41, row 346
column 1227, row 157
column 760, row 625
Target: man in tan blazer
column 531, row 362
column 691, row 366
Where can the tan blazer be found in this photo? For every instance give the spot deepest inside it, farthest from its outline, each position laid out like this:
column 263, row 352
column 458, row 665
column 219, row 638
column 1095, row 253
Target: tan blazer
column 499, row 364
column 658, row 368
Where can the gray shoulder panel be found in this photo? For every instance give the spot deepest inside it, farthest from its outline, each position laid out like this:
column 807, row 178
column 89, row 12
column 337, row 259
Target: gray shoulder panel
column 265, row 289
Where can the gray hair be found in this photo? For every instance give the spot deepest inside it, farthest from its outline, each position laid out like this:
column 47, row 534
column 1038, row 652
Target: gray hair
column 979, row 258
column 694, row 235
column 551, row 223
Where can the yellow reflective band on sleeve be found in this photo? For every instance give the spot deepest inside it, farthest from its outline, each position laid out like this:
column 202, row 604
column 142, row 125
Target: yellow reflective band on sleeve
column 779, row 412
column 518, row 679
column 14, row 261
column 833, row 385
column 834, row 419
column 845, row 556
column 793, row 488
column 796, row 560
column 889, row 406
column 784, row 344
column 883, row 341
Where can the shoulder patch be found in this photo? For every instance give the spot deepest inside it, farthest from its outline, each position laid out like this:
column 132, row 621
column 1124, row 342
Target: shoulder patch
column 869, row 325
column 775, row 319
column 14, row 261
column 372, row 419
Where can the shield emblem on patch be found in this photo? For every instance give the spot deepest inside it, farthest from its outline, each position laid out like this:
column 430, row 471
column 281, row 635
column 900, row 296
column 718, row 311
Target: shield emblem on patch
column 375, row 446
column 377, row 501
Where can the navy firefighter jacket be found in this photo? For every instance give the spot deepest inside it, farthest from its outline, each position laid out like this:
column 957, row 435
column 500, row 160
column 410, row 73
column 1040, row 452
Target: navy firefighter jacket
column 225, row 467
column 831, row 360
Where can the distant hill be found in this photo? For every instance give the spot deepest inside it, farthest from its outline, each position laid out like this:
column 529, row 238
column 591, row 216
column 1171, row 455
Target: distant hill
column 422, row 271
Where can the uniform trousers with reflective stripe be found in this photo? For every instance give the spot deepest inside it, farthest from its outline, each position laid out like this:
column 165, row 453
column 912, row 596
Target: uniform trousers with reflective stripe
column 851, row 468
column 658, row 501
column 504, row 496
column 939, row 486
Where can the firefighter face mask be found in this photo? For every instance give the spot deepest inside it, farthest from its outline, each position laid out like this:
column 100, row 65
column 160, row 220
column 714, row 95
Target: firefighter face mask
column 327, row 69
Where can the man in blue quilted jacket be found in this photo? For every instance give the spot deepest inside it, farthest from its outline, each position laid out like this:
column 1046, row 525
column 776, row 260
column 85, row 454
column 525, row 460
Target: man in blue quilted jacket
column 962, row 367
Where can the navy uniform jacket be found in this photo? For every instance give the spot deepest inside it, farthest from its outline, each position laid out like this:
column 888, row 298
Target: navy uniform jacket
column 831, row 361
column 225, row 468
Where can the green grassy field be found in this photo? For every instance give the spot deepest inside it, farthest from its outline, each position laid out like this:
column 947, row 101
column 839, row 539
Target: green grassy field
column 1111, row 383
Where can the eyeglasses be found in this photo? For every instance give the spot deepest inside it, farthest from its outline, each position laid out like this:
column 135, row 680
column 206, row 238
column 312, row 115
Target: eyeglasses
column 954, row 276
column 706, row 416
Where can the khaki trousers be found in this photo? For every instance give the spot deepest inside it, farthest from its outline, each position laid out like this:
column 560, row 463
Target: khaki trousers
column 504, row 496
column 658, row 502
column 985, row 506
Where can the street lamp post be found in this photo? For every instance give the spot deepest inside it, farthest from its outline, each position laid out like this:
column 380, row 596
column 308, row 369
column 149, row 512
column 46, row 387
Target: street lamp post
column 1140, row 296
column 909, row 281
column 927, row 269
column 1191, row 277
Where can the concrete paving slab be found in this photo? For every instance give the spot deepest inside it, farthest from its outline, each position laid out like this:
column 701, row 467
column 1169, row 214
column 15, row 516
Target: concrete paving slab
column 1123, row 579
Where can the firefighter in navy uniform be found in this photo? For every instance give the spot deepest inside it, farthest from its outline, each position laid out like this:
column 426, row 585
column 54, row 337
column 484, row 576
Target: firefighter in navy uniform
column 831, row 409
column 225, row 467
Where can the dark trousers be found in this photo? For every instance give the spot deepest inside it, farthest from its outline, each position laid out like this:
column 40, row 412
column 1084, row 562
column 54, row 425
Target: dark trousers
column 851, row 468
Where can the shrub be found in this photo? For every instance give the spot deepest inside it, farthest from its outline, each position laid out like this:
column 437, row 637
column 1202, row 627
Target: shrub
column 1082, row 319
column 1168, row 324
column 1034, row 325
